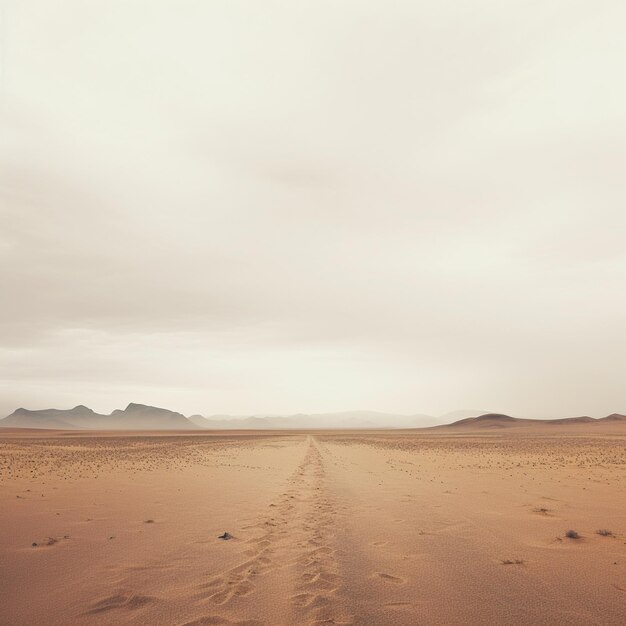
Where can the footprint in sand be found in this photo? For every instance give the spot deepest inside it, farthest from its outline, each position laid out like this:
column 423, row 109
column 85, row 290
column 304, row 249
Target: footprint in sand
column 311, row 578
column 310, row 600
column 243, row 588
column 320, row 584
column 390, row 579
column 130, row 601
column 211, row 584
column 303, row 599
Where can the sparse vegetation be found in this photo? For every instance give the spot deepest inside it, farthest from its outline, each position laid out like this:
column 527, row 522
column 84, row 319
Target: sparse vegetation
column 149, row 521
column 604, row 532
column 541, row 509
column 572, row 534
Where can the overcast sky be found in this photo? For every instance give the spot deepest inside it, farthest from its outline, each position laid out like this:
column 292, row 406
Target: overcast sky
column 247, row 207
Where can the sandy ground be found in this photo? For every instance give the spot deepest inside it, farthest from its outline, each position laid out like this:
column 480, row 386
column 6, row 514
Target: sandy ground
column 345, row 528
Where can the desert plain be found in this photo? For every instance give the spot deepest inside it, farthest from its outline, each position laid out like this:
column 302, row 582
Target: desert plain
column 437, row 526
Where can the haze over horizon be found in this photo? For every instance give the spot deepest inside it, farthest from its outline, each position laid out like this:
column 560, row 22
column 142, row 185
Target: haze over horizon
column 230, row 208
column 350, row 415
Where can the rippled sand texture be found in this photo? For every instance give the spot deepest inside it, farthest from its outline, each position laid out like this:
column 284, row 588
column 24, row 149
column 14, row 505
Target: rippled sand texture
column 328, row 528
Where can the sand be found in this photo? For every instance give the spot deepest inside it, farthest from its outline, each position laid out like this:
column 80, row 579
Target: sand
column 412, row 527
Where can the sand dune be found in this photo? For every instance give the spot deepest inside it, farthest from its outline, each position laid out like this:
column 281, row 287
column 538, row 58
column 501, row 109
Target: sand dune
column 498, row 420
column 378, row 527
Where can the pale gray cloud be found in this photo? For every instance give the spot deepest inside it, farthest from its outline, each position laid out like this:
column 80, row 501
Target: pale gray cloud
column 243, row 207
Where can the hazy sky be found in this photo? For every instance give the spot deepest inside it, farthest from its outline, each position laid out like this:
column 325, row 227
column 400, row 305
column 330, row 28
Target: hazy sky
column 226, row 206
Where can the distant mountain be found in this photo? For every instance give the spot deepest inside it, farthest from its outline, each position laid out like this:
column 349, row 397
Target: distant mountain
column 198, row 420
column 143, row 417
column 499, row 420
column 133, row 417
column 345, row 420
column 583, row 419
column 454, row 416
column 615, row 417
column 47, row 418
column 488, row 420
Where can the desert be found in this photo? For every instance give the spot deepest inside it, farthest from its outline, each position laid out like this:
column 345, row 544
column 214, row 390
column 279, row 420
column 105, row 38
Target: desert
column 446, row 525
column 312, row 313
